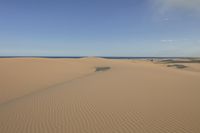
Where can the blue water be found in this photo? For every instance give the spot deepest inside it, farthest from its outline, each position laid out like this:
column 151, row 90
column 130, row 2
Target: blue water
column 106, row 57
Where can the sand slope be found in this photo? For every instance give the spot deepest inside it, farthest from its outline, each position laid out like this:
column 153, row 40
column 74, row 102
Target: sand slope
column 68, row 96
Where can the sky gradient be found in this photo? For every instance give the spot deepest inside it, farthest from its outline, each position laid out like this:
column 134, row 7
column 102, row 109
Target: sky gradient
column 100, row 28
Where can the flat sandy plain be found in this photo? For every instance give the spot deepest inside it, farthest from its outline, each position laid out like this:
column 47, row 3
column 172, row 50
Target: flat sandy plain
column 40, row 95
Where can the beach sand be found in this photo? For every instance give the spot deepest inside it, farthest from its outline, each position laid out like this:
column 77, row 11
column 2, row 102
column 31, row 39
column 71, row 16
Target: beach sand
column 43, row 95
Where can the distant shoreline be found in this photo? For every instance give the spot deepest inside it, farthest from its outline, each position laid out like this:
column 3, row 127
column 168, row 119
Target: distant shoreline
column 106, row 57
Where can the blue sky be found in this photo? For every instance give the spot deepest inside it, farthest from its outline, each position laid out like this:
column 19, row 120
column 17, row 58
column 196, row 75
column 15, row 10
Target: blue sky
column 100, row 27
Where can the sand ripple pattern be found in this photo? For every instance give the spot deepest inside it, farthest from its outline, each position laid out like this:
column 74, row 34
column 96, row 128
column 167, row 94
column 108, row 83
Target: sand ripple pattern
column 81, row 106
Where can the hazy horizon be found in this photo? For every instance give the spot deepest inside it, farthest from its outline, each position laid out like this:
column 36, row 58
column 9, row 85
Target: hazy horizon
column 122, row 28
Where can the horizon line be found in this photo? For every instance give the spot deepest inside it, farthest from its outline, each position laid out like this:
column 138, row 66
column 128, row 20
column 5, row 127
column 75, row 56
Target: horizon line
column 111, row 57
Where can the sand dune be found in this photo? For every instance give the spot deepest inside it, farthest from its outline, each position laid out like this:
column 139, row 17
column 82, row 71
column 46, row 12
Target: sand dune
column 68, row 96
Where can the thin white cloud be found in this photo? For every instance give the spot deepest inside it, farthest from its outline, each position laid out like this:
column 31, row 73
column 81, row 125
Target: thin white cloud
column 167, row 41
column 165, row 5
column 166, row 19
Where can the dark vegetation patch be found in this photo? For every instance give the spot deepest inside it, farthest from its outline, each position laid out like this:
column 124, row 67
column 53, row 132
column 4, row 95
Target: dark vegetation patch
column 179, row 66
column 100, row 69
column 181, row 61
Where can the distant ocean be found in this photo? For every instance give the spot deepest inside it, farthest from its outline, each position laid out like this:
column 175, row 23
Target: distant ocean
column 106, row 57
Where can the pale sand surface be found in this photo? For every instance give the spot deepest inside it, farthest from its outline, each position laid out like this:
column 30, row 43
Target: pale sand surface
column 68, row 96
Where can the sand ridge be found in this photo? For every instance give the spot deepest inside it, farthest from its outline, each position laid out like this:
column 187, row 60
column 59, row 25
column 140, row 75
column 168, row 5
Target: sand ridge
column 131, row 97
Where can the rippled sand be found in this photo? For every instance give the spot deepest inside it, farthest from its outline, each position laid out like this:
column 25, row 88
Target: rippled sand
column 70, row 96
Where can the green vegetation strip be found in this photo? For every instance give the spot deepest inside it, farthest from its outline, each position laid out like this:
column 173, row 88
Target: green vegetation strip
column 177, row 66
column 99, row 69
column 181, row 61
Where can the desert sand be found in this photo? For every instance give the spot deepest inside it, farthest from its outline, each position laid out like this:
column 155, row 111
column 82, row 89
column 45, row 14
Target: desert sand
column 43, row 95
